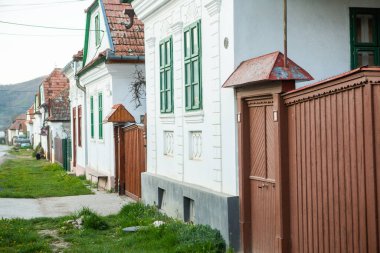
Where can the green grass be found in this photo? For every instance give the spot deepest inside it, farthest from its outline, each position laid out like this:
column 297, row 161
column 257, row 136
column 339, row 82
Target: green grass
column 104, row 234
column 25, row 177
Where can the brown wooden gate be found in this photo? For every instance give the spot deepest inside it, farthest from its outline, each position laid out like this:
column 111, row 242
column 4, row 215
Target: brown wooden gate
column 262, row 175
column 130, row 155
column 134, row 160
column 309, row 159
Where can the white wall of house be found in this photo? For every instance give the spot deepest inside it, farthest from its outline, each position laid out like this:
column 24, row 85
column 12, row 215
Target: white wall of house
column 37, row 124
column 318, row 32
column 93, row 50
column 112, row 80
column 77, row 98
column 216, row 169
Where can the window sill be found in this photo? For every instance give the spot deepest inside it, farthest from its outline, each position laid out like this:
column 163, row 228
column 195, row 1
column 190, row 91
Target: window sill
column 194, row 117
column 167, row 118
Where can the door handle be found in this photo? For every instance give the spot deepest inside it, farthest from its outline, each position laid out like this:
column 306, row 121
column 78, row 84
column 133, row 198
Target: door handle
column 263, row 186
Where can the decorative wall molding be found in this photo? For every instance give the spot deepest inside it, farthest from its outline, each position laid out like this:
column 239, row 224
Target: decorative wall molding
column 213, row 7
column 168, row 143
column 193, row 11
column 177, row 27
column 150, row 42
column 196, row 145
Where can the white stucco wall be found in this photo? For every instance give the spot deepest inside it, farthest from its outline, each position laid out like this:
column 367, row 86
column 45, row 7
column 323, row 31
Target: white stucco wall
column 77, row 98
column 112, row 80
column 93, row 50
column 217, row 169
column 37, row 124
column 318, row 32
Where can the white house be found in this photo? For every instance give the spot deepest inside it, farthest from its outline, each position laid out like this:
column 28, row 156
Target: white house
column 29, row 123
column 50, row 87
column 58, row 121
column 192, row 47
column 113, row 54
column 18, row 127
column 77, row 116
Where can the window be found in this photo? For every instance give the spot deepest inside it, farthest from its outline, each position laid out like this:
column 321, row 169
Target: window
column 74, row 125
column 100, row 118
column 166, row 75
column 365, row 37
column 193, row 77
column 80, row 126
column 92, row 116
column 97, row 30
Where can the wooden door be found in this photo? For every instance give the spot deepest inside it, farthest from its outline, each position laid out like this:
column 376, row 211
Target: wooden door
column 134, row 160
column 262, row 175
column 74, row 137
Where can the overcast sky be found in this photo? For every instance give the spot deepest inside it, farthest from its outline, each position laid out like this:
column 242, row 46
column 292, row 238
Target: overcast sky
column 27, row 52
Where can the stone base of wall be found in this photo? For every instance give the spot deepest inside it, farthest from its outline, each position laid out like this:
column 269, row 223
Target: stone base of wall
column 103, row 184
column 197, row 204
column 78, row 170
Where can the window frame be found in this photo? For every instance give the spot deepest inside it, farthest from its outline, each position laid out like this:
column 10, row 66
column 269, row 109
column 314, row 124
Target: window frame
column 97, row 30
column 92, row 120
column 189, row 57
column 166, row 65
column 100, row 116
column 357, row 46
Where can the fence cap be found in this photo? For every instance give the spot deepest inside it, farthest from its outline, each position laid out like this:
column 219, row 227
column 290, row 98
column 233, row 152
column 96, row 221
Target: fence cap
column 119, row 114
column 269, row 67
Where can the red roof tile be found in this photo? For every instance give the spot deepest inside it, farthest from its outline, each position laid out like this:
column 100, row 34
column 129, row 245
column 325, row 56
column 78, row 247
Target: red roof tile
column 126, row 42
column 269, row 67
column 54, row 84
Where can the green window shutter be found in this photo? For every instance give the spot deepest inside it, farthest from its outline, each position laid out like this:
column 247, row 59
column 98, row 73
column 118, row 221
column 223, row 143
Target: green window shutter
column 100, row 104
column 97, row 30
column 192, row 65
column 166, row 75
column 92, row 115
column 365, row 36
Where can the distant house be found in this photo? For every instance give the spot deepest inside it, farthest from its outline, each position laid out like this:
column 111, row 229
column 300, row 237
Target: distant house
column 18, row 127
column 29, row 123
column 50, row 87
column 58, row 121
column 113, row 54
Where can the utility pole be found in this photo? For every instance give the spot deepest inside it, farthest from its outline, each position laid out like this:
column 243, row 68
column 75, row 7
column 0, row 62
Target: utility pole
column 285, row 34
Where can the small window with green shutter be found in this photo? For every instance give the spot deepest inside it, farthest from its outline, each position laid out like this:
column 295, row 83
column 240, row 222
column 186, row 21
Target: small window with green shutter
column 193, row 66
column 97, row 30
column 365, row 37
column 92, row 116
column 100, row 118
column 166, row 75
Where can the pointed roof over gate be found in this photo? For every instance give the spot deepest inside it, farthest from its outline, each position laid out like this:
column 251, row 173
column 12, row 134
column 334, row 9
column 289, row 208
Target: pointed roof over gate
column 119, row 115
column 269, row 67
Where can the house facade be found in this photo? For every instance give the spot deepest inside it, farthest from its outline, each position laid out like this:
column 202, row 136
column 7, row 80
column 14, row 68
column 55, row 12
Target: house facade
column 77, row 116
column 50, row 87
column 113, row 55
column 18, row 127
column 29, row 123
column 58, row 121
column 192, row 47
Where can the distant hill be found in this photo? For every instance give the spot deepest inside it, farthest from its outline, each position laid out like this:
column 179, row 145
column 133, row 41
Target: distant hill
column 16, row 99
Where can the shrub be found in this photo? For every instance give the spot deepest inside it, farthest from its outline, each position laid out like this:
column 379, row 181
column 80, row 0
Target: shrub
column 197, row 238
column 138, row 214
column 91, row 220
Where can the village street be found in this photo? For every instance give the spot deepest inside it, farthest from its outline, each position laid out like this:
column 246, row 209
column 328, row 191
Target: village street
column 111, row 203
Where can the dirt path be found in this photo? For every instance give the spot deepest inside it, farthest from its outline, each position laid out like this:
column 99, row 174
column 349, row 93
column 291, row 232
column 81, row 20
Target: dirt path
column 3, row 153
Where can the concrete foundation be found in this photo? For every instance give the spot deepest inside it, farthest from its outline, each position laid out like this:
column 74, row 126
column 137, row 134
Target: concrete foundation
column 195, row 204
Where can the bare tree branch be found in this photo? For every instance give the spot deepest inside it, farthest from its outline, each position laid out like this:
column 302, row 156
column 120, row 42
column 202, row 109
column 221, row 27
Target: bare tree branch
column 137, row 87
